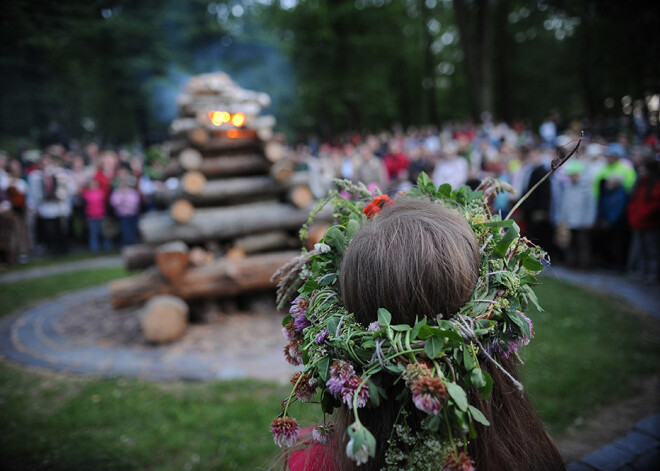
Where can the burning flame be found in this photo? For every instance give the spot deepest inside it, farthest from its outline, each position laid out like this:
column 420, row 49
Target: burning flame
column 238, row 120
column 218, row 118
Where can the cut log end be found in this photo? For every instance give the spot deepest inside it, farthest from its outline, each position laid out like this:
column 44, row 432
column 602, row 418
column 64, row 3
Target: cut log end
column 164, row 319
column 193, row 182
column 282, row 170
column 172, row 262
column 235, row 253
column 274, row 151
column 190, row 159
column 301, row 196
column 182, row 211
column 199, row 137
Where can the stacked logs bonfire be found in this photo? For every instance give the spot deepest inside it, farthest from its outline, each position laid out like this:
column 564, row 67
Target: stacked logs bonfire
column 232, row 218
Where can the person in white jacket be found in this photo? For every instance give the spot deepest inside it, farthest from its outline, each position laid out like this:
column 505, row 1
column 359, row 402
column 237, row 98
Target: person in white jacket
column 577, row 212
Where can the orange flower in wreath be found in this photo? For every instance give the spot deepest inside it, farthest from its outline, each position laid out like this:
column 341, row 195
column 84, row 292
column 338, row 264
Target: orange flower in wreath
column 376, row 205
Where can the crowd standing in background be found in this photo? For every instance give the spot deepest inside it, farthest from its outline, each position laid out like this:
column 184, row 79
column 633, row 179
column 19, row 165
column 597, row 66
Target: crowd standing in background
column 53, row 199
column 600, row 210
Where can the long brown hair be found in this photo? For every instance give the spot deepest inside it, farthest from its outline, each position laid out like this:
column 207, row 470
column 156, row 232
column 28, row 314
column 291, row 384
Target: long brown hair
column 418, row 258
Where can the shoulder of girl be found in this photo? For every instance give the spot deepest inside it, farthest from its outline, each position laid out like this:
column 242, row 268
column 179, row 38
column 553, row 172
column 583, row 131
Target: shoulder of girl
column 315, row 458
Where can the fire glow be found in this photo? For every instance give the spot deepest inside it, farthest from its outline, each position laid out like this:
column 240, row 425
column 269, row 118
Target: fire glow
column 218, row 118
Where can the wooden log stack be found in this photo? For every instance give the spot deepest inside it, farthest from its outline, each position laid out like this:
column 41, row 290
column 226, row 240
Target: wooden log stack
column 234, row 215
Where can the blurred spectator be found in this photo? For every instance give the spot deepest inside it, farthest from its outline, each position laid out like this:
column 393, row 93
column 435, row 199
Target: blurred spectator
column 125, row 200
column 395, row 160
column 450, row 168
column 644, row 219
column 616, row 166
column 94, row 199
column 371, row 170
column 49, row 198
column 577, row 213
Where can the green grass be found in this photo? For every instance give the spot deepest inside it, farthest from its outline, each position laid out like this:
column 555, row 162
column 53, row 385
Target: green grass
column 587, row 351
column 53, row 423
column 19, row 294
column 57, row 259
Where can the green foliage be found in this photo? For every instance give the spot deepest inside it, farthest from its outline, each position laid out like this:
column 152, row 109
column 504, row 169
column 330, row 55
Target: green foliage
column 330, row 66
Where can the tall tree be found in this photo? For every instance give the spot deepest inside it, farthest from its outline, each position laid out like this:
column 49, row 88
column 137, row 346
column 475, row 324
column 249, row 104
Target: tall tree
column 474, row 21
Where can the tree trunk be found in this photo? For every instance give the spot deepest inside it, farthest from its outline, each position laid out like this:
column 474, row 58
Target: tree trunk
column 224, row 223
column 429, row 65
column 476, row 48
column 220, row 279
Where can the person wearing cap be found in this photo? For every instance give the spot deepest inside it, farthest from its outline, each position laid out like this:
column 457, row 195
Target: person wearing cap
column 617, row 166
column 577, row 212
column 612, row 186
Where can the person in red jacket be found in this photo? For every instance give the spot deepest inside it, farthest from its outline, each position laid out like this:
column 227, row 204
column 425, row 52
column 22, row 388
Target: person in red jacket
column 644, row 220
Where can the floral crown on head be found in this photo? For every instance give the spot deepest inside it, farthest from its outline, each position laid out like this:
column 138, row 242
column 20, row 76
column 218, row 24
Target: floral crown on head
column 434, row 359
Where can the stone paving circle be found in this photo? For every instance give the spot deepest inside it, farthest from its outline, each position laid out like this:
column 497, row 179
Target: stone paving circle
column 81, row 333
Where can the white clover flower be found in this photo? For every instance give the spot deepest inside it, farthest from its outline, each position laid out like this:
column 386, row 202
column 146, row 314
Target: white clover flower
column 361, row 456
column 322, row 248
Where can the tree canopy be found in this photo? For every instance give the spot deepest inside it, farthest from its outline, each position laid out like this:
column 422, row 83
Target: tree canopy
column 111, row 69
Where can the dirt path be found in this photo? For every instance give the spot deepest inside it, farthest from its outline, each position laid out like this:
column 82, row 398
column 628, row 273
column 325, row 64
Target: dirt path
column 611, row 422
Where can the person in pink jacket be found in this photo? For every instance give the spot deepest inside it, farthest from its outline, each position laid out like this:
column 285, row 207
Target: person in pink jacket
column 95, row 212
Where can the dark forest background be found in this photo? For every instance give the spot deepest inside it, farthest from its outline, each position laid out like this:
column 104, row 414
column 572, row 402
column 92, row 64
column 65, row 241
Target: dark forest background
column 111, row 70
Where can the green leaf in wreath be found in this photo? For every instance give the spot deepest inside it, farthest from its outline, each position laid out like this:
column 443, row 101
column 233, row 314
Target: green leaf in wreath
column 477, row 378
column 478, row 415
column 332, row 325
column 400, row 327
column 415, row 330
column 468, row 358
column 351, row 229
column 433, row 347
column 507, row 239
column 530, row 263
column 322, row 367
column 458, row 395
column 485, row 391
column 444, row 190
column 384, row 317
column 425, row 183
column 327, row 279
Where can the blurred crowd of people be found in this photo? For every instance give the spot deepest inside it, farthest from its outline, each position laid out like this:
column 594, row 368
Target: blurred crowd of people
column 600, row 210
column 58, row 197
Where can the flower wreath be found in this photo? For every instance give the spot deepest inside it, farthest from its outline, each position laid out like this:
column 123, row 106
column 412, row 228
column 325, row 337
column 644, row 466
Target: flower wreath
column 437, row 359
